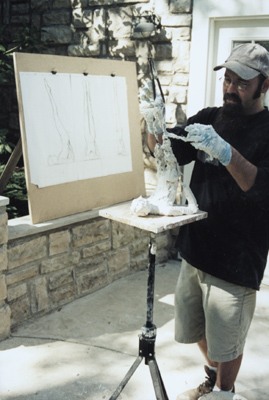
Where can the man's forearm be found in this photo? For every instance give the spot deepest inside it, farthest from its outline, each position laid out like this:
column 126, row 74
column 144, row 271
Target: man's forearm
column 243, row 172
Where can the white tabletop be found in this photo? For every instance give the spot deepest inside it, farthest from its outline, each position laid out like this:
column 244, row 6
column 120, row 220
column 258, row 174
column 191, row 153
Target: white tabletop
column 152, row 223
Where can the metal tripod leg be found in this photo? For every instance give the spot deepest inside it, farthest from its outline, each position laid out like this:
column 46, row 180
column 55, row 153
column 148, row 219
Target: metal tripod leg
column 158, row 384
column 148, row 337
column 126, row 378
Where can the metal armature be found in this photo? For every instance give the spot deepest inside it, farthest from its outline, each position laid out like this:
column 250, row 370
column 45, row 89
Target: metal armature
column 168, row 175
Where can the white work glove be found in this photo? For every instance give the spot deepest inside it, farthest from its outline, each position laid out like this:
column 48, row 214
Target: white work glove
column 152, row 110
column 205, row 138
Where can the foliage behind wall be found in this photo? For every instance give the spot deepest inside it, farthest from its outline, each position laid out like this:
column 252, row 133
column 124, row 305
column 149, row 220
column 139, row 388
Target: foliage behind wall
column 26, row 40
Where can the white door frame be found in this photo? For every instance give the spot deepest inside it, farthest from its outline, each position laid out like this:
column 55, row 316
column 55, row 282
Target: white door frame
column 205, row 15
column 226, row 30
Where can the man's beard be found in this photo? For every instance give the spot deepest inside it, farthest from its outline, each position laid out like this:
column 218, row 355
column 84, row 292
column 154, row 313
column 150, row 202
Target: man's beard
column 232, row 117
column 232, row 110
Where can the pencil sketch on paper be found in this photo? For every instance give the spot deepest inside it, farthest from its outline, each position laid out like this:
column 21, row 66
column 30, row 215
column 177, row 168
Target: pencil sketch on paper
column 76, row 126
column 121, row 150
column 66, row 153
column 89, row 131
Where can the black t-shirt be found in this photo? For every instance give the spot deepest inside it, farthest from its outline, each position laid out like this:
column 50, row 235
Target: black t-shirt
column 232, row 243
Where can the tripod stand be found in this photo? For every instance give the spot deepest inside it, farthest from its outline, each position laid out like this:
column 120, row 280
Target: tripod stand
column 147, row 337
column 121, row 213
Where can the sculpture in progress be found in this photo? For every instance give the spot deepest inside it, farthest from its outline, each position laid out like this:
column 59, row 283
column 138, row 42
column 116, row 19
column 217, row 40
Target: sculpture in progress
column 162, row 201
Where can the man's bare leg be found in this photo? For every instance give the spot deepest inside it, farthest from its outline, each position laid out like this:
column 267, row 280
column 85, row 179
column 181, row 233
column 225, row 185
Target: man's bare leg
column 203, row 347
column 226, row 371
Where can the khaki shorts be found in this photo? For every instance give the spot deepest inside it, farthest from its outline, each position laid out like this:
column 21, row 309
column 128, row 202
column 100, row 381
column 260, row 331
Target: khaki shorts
column 211, row 308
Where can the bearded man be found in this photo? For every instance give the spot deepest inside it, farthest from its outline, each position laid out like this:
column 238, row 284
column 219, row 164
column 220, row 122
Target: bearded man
column 224, row 256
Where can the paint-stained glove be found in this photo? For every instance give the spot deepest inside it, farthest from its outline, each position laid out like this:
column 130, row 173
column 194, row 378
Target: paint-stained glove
column 152, row 110
column 205, row 138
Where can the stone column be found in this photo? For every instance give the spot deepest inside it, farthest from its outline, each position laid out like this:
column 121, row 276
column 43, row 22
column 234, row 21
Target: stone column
column 5, row 312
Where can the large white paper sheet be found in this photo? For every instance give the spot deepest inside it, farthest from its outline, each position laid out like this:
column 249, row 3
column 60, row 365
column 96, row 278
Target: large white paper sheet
column 76, row 126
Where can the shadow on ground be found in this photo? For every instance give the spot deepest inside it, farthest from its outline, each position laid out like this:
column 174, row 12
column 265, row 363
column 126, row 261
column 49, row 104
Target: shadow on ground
column 84, row 351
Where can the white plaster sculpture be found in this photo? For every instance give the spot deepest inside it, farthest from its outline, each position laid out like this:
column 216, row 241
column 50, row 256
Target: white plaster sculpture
column 162, row 201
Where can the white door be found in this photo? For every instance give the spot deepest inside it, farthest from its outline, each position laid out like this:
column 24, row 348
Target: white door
column 227, row 35
column 224, row 33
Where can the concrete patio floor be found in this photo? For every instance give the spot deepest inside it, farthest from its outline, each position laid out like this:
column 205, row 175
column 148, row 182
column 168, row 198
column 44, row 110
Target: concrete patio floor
column 83, row 350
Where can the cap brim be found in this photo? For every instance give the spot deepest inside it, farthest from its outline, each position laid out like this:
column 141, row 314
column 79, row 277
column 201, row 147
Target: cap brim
column 241, row 70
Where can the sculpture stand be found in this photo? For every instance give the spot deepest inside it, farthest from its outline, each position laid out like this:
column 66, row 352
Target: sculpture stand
column 153, row 224
column 147, row 337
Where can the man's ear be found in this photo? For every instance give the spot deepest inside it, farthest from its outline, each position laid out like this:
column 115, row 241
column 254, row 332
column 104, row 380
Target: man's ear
column 265, row 85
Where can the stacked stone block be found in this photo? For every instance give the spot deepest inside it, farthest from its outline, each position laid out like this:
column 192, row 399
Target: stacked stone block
column 104, row 29
column 4, row 307
column 48, row 269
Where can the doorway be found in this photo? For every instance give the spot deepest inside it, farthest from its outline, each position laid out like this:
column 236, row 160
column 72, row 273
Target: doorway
column 229, row 33
column 213, row 37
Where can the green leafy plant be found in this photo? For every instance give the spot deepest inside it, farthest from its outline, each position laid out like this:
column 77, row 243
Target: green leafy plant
column 6, row 66
column 25, row 40
column 16, row 188
column 5, row 146
column 28, row 40
column 17, row 193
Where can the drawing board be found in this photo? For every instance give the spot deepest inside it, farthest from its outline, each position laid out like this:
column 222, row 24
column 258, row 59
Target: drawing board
column 80, row 130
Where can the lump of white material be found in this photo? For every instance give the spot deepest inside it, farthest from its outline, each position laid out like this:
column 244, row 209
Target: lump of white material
column 162, row 201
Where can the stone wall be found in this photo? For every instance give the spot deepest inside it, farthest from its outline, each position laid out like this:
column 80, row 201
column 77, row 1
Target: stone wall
column 104, row 29
column 5, row 312
column 45, row 266
column 50, row 267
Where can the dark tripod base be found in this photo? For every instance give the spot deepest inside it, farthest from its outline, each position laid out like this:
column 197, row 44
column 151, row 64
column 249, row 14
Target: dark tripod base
column 147, row 338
